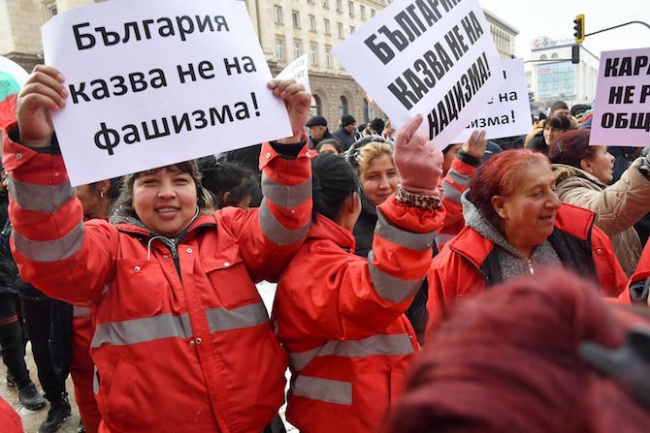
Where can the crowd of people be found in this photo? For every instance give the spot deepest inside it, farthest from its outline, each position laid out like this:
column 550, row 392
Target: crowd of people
column 418, row 288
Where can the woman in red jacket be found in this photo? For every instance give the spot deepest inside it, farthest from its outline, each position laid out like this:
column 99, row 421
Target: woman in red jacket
column 182, row 339
column 516, row 224
column 341, row 316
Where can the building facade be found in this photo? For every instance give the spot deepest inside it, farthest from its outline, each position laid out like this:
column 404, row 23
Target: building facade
column 286, row 29
column 554, row 77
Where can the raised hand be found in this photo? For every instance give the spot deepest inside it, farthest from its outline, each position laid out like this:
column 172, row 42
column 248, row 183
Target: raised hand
column 43, row 93
column 297, row 101
column 418, row 161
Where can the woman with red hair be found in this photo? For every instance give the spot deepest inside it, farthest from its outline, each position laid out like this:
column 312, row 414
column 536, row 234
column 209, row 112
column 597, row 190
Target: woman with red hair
column 538, row 354
column 516, row 225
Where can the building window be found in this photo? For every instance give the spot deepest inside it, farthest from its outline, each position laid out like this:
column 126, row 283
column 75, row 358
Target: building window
column 279, row 48
column 326, row 23
column 277, row 14
column 295, row 19
column 328, row 56
column 316, row 106
column 340, row 31
column 339, row 5
column 554, row 56
column 373, row 13
column 313, row 54
column 351, row 8
column 344, row 106
column 51, row 9
column 312, row 23
column 326, row 4
column 352, row 30
column 297, row 49
column 543, row 57
column 362, row 12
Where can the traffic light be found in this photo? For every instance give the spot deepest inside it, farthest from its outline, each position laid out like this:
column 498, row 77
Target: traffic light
column 575, row 54
column 579, row 28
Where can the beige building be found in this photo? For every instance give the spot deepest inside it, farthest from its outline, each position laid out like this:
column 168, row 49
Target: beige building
column 286, row 29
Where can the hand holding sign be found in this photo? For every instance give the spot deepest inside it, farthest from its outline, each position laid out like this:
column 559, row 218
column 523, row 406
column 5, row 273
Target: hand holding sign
column 42, row 93
column 476, row 144
column 297, row 101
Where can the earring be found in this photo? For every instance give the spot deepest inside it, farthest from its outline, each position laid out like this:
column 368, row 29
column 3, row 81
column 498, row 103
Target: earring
column 101, row 194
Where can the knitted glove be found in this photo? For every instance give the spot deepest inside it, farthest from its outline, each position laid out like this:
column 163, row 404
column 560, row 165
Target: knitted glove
column 418, row 161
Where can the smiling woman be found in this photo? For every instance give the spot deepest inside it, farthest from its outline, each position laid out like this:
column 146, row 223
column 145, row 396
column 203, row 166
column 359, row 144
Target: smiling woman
column 516, row 225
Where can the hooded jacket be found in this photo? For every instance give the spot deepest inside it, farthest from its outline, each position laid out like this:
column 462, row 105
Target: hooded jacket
column 183, row 341
column 480, row 257
column 341, row 317
column 617, row 207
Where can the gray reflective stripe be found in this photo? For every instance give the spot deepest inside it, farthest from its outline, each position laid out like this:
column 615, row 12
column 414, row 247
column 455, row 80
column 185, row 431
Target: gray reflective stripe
column 79, row 311
column 391, row 288
column 327, row 390
column 403, row 238
column 275, row 231
column 221, row 319
column 283, row 195
column 458, row 177
column 40, row 198
column 142, row 330
column 95, row 380
column 50, row 251
column 385, row 344
column 450, row 192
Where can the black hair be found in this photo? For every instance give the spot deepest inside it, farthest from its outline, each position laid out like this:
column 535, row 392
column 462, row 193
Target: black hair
column 223, row 177
column 333, row 181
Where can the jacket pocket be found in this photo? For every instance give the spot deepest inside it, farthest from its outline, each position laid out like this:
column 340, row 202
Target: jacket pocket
column 139, row 288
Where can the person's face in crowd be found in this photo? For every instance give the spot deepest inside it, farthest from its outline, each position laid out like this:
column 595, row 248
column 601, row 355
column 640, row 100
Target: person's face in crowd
column 328, row 148
column 379, row 180
column 351, row 128
column 601, row 164
column 563, row 112
column 91, row 200
column 449, row 157
column 165, row 200
column 388, row 130
column 528, row 213
column 551, row 134
column 316, row 132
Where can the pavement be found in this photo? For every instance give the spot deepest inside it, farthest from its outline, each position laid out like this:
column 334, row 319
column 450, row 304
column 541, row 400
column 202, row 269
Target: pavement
column 32, row 420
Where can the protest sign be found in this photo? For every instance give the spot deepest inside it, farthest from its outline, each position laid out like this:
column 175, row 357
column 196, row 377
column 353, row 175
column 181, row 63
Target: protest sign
column 508, row 111
column 156, row 82
column 431, row 57
column 297, row 70
column 621, row 115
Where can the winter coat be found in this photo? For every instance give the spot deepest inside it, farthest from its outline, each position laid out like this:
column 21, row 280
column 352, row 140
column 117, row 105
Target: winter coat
column 341, row 318
column 617, row 206
column 182, row 340
column 470, row 262
column 345, row 138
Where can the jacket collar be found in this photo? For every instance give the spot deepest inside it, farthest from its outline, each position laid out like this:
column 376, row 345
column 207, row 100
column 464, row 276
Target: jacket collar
column 324, row 228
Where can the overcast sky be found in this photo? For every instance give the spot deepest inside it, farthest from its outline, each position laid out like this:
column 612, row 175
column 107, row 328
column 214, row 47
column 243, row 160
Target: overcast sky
column 554, row 18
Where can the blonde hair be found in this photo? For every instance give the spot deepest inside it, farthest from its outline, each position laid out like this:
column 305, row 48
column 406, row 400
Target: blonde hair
column 370, row 151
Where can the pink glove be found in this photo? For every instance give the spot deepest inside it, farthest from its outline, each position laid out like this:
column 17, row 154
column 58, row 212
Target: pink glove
column 418, row 162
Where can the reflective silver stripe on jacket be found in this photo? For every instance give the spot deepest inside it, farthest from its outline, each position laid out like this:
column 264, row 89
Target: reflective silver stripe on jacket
column 385, row 344
column 167, row 325
column 79, row 311
column 275, row 231
column 327, row 390
column 40, row 198
column 142, row 330
column 403, row 238
column 391, row 288
column 221, row 319
column 283, row 195
column 448, row 189
column 50, row 251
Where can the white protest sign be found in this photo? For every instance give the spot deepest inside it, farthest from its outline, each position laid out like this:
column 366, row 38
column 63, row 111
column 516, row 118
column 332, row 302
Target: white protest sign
column 429, row 57
column 621, row 116
column 508, row 111
column 154, row 82
column 297, row 70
